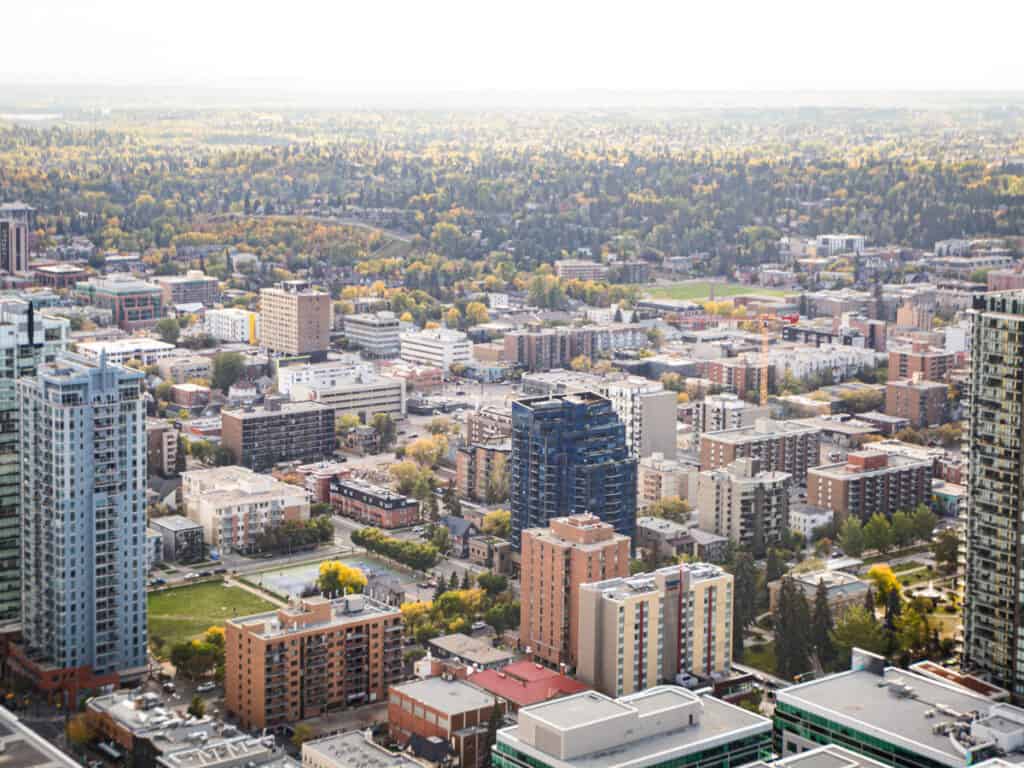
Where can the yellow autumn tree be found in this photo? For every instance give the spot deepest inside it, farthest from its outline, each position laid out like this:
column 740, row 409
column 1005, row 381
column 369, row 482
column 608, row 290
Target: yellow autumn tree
column 338, row 578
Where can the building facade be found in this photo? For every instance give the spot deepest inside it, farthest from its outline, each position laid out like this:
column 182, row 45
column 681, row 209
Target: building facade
column 161, row 447
column 258, row 438
column 488, row 423
column 295, row 319
column 650, row 628
column 781, row 446
column 191, row 288
column 555, row 562
column 362, row 395
column 182, row 539
column 375, row 334
column 299, row 661
column 922, row 403
column 869, row 482
column 744, row 503
column 481, row 470
column 233, row 324
column 724, row 411
column 438, row 347
column 569, row 455
column 135, row 304
column 648, row 412
column 371, row 504
column 930, row 363
column 83, row 458
column 660, row 478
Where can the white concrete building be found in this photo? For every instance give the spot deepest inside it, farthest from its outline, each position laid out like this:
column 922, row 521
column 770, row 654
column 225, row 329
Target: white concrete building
column 438, row 347
column 804, row 362
column 832, row 245
column 235, row 505
column 145, row 350
column 233, row 324
column 362, row 395
column 649, row 412
column 744, row 504
column 322, row 375
column 376, row 334
column 725, row 411
column 804, row 520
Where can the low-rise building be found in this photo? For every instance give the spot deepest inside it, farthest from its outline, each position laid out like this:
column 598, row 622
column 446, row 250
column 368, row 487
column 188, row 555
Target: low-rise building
column 325, row 375
column 805, row 520
column 488, row 423
column 662, row 727
column 236, row 505
column 666, row 626
column 189, row 395
column 905, row 719
column 491, row 552
column 146, row 351
column 660, row 478
column 362, row 395
column 452, row 710
column 371, row 504
column 135, row 304
column 299, row 661
column 670, row 539
column 182, row 368
column 351, row 749
column 438, row 347
column 842, row 590
column 477, row 652
column 58, row 276
column 869, row 482
column 578, row 269
column 523, row 683
column 424, row 379
column 182, row 539
column 258, row 438
column 161, row 447
column 233, row 325
column 725, row 411
column 22, row 746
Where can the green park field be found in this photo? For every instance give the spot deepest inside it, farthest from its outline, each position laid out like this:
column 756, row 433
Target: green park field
column 182, row 613
column 701, row 289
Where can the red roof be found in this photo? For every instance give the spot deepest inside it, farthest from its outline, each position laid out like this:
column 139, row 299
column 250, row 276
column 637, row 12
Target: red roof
column 523, row 683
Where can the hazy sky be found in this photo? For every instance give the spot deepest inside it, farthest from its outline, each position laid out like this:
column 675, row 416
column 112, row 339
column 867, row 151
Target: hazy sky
column 550, row 45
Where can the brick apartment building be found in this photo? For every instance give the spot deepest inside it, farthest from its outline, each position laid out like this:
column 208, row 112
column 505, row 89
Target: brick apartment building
column 371, row 504
column 488, row 423
column 295, row 319
column 297, row 662
column 448, row 709
column 258, row 438
column 738, row 374
column 922, row 403
column 555, row 561
column 476, row 464
column 782, row 446
column 191, row 288
column 870, row 482
column 932, row 363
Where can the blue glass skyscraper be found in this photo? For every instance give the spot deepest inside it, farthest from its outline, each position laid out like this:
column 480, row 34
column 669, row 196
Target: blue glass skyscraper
column 569, row 456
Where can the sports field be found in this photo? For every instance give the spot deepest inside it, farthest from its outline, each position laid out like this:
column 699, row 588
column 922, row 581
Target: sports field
column 696, row 290
column 183, row 613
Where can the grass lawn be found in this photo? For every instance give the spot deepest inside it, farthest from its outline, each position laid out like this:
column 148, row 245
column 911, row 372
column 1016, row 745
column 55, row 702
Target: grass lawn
column 760, row 657
column 184, row 612
column 946, row 623
column 701, row 289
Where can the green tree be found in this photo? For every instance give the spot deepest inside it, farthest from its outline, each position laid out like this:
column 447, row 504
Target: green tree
column 902, row 529
column 924, row 522
column 670, row 508
column 493, row 584
column 877, row 534
column 450, row 499
column 912, row 632
column 385, row 427
column 497, row 523
column 857, row 629
column 774, row 567
column 851, row 537
column 792, row 630
column 945, row 550
column 168, row 330
column 821, row 627
column 744, row 606
column 301, row 735
column 227, row 369
column 197, row 707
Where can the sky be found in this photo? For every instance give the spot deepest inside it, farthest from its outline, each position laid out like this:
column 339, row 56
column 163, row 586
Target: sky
column 395, row 45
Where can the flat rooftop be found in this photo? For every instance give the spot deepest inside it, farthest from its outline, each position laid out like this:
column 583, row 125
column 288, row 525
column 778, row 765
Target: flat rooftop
column 896, row 461
column 352, row 748
column 174, row 523
column 448, row 696
column 830, row 756
column 762, row 429
column 24, row 748
column 474, row 649
column 860, row 700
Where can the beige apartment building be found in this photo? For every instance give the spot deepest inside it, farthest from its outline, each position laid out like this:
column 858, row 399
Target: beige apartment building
column 660, row 478
column 318, row 654
column 782, row 446
column 744, row 503
column 295, row 319
column 235, row 505
column 665, row 626
column 555, row 561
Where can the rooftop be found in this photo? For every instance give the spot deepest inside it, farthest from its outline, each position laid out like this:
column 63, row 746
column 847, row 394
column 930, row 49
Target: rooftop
column 762, row 429
column 21, row 747
column 129, row 345
column 524, row 683
column 448, row 696
column 313, row 613
column 473, row 649
column 352, row 749
column 899, row 707
column 174, row 523
column 894, row 461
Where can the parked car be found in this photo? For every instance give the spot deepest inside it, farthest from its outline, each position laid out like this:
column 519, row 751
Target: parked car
column 205, row 687
column 204, row 574
column 191, row 576
column 169, row 688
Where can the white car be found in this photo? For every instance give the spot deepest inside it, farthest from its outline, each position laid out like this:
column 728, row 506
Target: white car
column 205, row 687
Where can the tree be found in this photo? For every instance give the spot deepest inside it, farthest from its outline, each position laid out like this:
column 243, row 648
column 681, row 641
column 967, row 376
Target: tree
column 385, row 427
column 493, row 584
column 945, row 549
column 869, row 603
column 924, row 521
column 441, row 539
column 581, row 363
column 792, row 630
column 452, row 318
column 453, row 581
column 451, row 502
column 348, row 421
column 476, row 313
column 430, row 511
column 744, row 599
column 466, row 583
column 670, row 508
column 197, row 707
column 912, row 632
column 227, row 369
column 168, row 330
column 851, row 537
column 339, row 579
column 877, row 534
column 80, row 731
column 497, row 488
column 427, row 451
column 301, row 735
column 884, row 580
column 497, row 523
column 774, row 568
column 902, row 529
column 822, row 626
column 856, row 629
